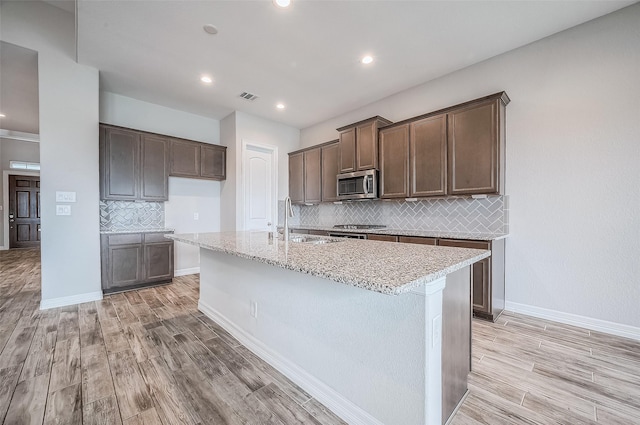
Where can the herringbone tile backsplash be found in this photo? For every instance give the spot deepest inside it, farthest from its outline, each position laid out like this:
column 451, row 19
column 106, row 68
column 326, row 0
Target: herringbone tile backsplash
column 468, row 215
column 129, row 215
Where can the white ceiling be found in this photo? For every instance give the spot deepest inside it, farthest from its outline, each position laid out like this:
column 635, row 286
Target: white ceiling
column 306, row 56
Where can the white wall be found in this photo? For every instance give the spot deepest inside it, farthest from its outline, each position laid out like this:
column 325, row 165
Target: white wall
column 13, row 150
column 573, row 164
column 186, row 196
column 68, row 132
column 239, row 127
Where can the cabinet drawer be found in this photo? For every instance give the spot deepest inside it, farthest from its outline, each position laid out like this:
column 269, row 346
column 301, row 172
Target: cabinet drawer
column 417, row 239
column 465, row 244
column 132, row 238
column 156, row 237
column 385, row 238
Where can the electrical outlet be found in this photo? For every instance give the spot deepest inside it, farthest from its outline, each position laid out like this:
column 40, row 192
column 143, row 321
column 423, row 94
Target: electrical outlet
column 254, row 309
column 436, row 331
column 63, row 209
column 196, row 216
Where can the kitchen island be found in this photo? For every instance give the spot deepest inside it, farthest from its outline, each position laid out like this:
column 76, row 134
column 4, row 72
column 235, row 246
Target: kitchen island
column 363, row 326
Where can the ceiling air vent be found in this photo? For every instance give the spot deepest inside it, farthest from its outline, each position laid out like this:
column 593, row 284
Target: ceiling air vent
column 248, row 96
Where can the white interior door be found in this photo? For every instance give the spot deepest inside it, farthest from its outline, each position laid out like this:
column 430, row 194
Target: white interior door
column 259, row 187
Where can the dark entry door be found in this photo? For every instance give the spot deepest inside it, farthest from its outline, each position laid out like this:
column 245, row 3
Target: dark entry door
column 24, row 211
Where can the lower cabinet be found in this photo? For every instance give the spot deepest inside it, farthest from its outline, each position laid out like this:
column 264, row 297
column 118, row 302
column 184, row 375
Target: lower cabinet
column 134, row 260
column 487, row 277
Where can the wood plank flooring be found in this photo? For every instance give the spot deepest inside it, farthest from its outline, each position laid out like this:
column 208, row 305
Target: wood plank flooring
column 149, row 357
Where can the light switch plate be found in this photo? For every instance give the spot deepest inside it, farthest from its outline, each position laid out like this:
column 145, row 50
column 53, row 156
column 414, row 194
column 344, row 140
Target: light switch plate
column 63, row 209
column 65, row 196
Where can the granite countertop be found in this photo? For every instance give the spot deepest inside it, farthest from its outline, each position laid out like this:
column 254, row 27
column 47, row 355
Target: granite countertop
column 158, row 230
column 423, row 233
column 382, row 267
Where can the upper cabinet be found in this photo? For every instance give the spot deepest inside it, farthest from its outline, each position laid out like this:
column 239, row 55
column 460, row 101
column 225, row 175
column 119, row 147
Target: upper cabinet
column 330, row 155
column 455, row 151
column 476, row 146
column 197, row 160
column 359, row 145
column 133, row 165
column 312, row 174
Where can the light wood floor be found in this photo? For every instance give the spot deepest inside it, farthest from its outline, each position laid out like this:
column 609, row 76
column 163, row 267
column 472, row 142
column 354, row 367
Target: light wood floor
column 149, row 357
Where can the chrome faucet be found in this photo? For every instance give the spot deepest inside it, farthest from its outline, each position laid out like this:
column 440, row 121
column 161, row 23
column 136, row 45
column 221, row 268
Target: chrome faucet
column 288, row 212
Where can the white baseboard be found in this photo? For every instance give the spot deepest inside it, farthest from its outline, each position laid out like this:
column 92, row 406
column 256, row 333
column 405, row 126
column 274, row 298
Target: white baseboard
column 599, row 325
column 184, row 272
column 337, row 403
column 3, row 248
column 71, row 300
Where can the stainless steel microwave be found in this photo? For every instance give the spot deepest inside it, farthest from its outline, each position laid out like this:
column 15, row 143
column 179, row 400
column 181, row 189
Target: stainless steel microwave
column 358, row 185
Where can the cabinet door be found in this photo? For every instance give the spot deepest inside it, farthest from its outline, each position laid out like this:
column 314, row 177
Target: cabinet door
column 154, row 177
column 213, row 164
column 348, row 151
column 367, row 146
column 480, row 274
column 312, row 176
column 125, row 266
column 158, row 261
column 185, row 158
column 394, row 162
column 473, row 149
column 428, row 157
column 296, row 177
column 417, row 239
column 119, row 162
column 330, row 169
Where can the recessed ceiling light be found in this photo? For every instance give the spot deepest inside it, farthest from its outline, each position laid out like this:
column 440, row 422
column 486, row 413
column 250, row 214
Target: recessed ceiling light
column 210, row 29
column 367, row 60
column 2, row 115
column 206, row 79
column 282, row 3
column 280, row 106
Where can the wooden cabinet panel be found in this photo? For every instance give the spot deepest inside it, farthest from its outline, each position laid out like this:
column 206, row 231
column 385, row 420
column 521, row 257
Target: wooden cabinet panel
column 348, row 151
column 312, row 176
column 185, row 158
column 125, row 265
column 394, row 162
column 367, row 146
column 417, row 239
column 158, row 261
column 474, row 149
column 296, row 177
column 428, row 157
column 119, row 164
column 384, row 238
column 213, row 162
column 318, row 232
column 330, row 155
column 154, row 160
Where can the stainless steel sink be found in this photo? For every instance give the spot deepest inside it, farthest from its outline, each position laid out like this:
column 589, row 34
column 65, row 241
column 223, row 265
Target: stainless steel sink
column 312, row 240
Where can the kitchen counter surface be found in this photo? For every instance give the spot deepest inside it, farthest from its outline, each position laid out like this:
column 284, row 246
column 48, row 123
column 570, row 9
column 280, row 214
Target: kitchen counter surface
column 422, row 233
column 115, row 232
column 377, row 266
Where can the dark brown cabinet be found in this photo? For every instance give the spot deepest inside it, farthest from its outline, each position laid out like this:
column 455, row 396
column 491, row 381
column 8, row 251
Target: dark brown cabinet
column 418, row 239
column 134, row 260
column 384, row 238
column 487, row 277
column 133, row 165
column 359, row 145
column 296, row 177
column 394, row 162
column 476, row 147
column 330, row 156
column 312, row 176
column 428, row 157
column 197, row 160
